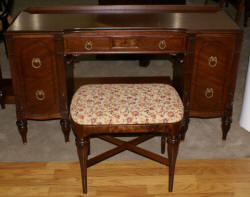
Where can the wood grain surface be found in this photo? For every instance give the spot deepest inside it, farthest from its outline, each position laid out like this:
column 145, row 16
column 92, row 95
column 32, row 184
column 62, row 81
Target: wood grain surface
column 196, row 178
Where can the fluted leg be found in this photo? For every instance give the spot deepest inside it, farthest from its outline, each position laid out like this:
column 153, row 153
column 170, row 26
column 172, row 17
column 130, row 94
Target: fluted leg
column 83, row 150
column 22, row 128
column 173, row 143
column 65, row 125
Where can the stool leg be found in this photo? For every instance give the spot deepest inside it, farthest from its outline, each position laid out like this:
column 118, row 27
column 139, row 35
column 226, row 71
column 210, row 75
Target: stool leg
column 173, row 143
column 82, row 145
column 163, row 144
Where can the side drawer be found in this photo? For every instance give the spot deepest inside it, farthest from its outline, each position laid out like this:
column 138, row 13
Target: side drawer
column 37, row 60
column 211, row 73
column 37, row 84
column 40, row 96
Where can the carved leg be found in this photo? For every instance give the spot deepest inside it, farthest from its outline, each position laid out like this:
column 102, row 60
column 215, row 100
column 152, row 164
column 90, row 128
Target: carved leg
column 65, row 125
column 173, row 143
column 83, row 150
column 184, row 128
column 22, row 128
column 226, row 123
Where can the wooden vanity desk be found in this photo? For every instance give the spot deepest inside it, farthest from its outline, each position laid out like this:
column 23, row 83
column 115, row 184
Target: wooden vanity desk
column 204, row 43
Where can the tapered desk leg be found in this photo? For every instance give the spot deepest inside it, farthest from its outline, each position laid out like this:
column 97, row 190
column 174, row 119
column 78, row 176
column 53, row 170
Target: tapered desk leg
column 65, row 125
column 226, row 124
column 22, row 128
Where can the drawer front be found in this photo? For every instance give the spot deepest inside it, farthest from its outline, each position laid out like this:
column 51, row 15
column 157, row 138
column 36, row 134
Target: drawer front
column 129, row 42
column 207, row 97
column 37, row 61
column 163, row 43
column 212, row 61
column 211, row 73
column 86, row 44
column 40, row 96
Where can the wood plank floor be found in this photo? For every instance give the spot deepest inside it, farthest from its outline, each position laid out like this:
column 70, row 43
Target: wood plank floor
column 193, row 178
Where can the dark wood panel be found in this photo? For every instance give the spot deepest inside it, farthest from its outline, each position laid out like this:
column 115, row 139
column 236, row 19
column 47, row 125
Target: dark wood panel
column 211, row 73
column 141, row 2
column 126, row 17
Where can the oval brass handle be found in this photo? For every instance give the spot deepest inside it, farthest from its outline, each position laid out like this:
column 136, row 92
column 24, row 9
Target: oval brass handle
column 88, row 45
column 209, row 92
column 212, row 61
column 36, row 62
column 40, row 95
column 162, row 44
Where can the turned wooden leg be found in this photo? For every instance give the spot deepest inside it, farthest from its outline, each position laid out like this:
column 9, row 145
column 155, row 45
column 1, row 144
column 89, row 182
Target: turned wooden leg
column 184, row 128
column 65, row 125
column 83, row 150
column 226, row 123
column 173, row 143
column 22, row 128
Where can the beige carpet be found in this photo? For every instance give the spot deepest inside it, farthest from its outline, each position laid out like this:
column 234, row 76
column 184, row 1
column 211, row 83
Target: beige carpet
column 45, row 139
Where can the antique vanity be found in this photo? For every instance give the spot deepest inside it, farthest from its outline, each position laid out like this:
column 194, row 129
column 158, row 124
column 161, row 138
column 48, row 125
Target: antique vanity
column 203, row 41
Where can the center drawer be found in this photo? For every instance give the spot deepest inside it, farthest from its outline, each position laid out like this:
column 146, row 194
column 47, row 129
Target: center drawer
column 125, row 42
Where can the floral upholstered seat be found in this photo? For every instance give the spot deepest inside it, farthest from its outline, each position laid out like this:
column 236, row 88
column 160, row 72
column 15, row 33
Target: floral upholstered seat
column 108, row 104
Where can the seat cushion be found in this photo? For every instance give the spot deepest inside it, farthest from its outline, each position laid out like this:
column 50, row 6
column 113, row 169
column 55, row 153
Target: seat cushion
column 108, row 104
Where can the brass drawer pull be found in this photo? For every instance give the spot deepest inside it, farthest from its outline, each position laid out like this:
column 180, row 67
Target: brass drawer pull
column 88, row 45
column 212, row 61
column 209, row 93
column 36, row 62
column 40, row 95
column 162, row 44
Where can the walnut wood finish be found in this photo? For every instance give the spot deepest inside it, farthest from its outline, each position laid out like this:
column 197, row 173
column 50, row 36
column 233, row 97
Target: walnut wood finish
column 205, row 55
column 84, row 132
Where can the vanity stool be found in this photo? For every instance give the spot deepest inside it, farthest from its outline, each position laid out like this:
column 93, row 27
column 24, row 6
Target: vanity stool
column 105, row 110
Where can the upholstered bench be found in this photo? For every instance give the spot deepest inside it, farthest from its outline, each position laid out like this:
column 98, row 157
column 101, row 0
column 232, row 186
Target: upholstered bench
column 107, row 109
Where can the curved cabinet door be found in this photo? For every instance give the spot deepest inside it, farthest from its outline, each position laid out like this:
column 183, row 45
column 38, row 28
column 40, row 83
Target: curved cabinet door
column 211, row 74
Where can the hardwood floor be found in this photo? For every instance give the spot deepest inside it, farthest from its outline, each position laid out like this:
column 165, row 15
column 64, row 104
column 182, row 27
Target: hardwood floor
column 193, row 178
